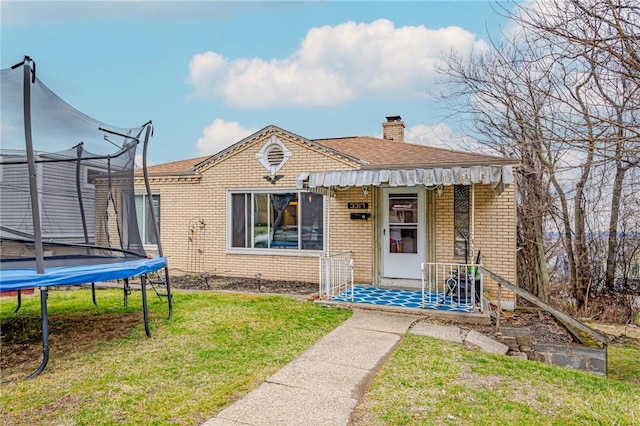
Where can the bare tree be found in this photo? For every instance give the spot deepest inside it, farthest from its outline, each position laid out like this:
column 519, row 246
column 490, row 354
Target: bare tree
column 604, row 37
column 608, row 26
column 507, row 110
column 561, row 94
column 629, row 247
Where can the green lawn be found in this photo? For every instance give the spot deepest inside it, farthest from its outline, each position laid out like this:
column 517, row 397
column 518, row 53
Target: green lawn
column 104, row 370
column 217, row 348
column 431, row 382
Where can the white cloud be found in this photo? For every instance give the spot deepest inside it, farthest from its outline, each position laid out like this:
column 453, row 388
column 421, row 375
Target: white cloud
column 219, row 135
column 138, row 162
column 439, row 136
column 332, row 65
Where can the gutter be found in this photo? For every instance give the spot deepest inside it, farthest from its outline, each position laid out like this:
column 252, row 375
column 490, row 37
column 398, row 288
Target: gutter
column 380, row 166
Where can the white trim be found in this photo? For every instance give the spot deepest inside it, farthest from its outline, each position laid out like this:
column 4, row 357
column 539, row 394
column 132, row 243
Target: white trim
column 404, row 265
column 262, row 155
column 145, row 204
column 298, row 251
column 273, row 252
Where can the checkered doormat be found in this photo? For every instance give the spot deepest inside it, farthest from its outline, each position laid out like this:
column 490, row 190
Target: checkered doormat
column 400, row 298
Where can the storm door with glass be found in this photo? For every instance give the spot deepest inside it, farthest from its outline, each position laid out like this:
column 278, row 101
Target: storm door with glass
column 402, row 232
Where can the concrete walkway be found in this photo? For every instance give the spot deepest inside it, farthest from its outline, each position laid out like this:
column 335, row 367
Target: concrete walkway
column 324, row 384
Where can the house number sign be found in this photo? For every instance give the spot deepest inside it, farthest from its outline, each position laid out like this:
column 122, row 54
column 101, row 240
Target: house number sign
column 359, row 206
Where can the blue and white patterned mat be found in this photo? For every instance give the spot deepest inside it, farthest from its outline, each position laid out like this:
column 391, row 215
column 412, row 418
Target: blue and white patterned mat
column 400, row 298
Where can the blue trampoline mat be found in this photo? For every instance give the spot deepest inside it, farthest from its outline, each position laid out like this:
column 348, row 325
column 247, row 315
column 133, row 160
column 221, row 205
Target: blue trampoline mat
column 401, row 298
column 23, row 278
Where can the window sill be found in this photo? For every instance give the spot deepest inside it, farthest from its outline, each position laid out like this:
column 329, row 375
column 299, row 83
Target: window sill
column 149, row 247
column 275, row 252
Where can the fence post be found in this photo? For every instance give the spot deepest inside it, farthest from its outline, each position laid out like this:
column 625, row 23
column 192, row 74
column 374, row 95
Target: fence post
column 320, row 265
column 499, row 306
column 422, row 278
column 352, row 279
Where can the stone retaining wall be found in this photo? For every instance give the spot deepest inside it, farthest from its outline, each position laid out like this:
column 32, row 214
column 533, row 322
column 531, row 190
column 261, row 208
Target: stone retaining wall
column 593, row 360
column 578, row 357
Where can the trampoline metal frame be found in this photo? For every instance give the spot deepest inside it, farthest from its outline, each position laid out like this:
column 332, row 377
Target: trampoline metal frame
column 28, row 79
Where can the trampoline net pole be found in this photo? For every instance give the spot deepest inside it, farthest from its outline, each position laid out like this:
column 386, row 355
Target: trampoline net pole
column 31, row 164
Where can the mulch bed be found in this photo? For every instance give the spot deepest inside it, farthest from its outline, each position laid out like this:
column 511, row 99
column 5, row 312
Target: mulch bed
column 238, row 284
column 543, row 326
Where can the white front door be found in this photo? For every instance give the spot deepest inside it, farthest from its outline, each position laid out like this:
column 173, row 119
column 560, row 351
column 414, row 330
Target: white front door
column 403, row 231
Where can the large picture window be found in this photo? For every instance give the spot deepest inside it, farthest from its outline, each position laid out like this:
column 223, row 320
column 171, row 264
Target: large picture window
column 145, row 222
column 280, row 220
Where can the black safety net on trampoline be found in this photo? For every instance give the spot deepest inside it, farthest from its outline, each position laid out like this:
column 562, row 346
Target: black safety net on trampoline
column 69, row 212
column 82, row 176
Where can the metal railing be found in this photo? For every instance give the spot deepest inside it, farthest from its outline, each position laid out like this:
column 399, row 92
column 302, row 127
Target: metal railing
column 336, row 274
column 453, row 284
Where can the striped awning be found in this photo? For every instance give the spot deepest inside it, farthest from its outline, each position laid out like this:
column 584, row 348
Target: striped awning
column 502, row 175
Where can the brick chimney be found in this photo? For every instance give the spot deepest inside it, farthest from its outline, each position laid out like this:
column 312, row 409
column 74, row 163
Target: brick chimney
column 393, row 129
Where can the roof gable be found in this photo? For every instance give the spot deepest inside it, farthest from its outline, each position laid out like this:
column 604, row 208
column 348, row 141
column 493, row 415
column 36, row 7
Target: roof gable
column 263, row 133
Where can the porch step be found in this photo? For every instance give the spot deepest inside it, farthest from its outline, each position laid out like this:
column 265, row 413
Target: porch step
column 414, row 284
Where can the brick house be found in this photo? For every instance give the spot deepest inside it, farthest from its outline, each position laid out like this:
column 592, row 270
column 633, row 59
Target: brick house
column 274, row 203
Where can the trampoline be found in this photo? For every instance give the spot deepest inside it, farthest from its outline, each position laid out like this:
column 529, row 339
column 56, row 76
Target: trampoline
column 71, row 211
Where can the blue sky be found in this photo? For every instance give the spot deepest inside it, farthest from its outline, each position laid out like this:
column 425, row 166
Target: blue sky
column 209, row 73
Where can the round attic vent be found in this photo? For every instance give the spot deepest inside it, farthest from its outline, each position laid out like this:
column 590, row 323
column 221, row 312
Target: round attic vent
column 275, row 155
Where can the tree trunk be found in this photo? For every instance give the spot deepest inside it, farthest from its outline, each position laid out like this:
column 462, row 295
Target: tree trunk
column 612, row 245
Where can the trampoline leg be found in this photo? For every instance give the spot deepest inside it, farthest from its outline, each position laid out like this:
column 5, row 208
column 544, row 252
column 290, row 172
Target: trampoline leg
column 19, row 302
column 93, row 294
column 169, row 297
column 127, row 292
column 145, row 309
column 44, row 293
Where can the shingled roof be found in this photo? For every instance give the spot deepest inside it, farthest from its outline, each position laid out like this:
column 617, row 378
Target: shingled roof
column 377, row 153
column 181, row 166
column 370, row 152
